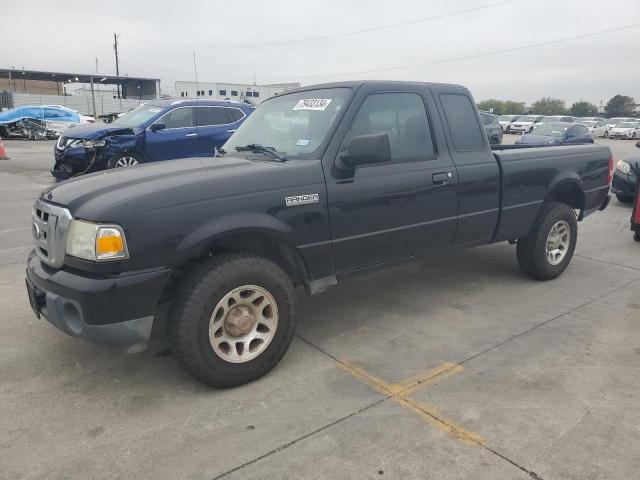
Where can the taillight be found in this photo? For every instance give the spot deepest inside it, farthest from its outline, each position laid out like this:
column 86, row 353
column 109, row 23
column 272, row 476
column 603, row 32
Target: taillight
column 610, row 170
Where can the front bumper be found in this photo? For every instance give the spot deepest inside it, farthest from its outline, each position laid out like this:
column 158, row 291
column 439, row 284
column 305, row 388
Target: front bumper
column 114, row 310
column 624, row 184
column 75, row 160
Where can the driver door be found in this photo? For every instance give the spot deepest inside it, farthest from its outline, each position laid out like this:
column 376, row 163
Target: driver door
column 387, row 211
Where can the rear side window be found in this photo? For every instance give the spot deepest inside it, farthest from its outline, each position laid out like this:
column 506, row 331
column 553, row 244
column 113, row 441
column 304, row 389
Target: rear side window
column 211, row 116
column 403, row 117
column 235, row 114
column 462, row 121
column 179, row 118
column 580, row 130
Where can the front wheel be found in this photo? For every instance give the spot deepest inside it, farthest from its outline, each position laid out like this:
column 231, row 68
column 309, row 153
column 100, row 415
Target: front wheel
column 624, row 198
column 606, row 134
column 124, row 159
column 546, row 252
column 232, row 320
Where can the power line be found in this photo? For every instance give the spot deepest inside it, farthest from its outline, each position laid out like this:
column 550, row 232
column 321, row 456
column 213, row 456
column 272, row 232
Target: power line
column 341, row 34
column 465, row 57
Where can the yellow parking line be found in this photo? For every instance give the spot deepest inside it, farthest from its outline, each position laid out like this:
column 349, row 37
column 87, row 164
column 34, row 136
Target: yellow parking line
column 400, row 393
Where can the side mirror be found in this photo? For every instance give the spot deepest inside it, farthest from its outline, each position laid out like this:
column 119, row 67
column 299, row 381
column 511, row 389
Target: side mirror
column 365, row 150
column 157, row 126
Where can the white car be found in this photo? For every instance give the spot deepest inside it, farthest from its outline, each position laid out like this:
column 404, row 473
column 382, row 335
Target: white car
column 629, row 130
column 505, row 122
column 596, row 128
column 612, row 122
column 525, row 123
column 591, row 119
column 556, row 119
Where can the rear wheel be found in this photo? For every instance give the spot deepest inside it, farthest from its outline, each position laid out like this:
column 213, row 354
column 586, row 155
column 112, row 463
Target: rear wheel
column 124, row 159
column 232, row 320
column 606, row 133
column 546, row 252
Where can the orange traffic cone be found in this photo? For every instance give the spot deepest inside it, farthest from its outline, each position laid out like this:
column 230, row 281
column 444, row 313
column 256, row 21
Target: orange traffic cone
column 3, row 152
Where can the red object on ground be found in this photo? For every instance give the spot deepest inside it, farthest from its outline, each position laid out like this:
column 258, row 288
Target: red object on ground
column 3, row 152
column 635, row 216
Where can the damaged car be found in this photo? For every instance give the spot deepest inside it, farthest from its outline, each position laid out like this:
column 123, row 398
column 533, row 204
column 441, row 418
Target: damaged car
column 158, row 130
column 38, row 122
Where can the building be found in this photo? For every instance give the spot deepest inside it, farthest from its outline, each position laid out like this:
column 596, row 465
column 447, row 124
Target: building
column 253, row 94
column 89, row 94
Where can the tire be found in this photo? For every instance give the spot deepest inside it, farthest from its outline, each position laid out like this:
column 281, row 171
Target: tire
column 532, row 250
column 195, row 310
column 606, row 134
column 633, row 137
column 624, row 198
column 636, row 236
column 124, row 159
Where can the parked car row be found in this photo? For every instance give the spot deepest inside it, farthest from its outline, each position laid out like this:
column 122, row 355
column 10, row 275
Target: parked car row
column 617, row 127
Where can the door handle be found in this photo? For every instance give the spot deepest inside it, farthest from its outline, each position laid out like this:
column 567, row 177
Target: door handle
column 441, row 178
column 232, row 130
column 191, row 135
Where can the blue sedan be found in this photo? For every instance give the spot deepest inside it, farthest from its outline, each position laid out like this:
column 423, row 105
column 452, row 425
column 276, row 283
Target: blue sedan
column 557, row 134
column 158, row 130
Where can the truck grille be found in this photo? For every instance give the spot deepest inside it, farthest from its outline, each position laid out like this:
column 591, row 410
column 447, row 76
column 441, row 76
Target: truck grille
column 50, row 226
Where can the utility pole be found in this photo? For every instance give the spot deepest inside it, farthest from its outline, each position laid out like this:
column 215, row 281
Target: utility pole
column 96, row 64
column 115, row 47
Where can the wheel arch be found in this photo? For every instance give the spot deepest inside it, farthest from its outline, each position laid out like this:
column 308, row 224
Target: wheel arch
column 256, row 233
column 568, row 190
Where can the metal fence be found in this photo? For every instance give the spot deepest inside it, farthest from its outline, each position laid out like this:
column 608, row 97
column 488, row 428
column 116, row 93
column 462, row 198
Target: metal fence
column 81, row 103
column 6, row 100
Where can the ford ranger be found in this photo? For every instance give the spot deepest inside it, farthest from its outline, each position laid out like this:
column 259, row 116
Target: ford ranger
column 317, row 185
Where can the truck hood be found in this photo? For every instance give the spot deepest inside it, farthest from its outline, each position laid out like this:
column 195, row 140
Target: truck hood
column 110, row 195
column 93, row 131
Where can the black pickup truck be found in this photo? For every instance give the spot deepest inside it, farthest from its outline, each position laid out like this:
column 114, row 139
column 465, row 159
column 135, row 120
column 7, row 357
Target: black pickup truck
column 319, row 184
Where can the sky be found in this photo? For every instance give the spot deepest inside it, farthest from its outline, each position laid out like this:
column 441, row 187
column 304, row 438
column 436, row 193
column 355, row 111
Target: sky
column 235, row 41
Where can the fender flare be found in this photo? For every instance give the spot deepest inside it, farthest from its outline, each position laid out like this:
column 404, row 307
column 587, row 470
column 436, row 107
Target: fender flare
column 195, row 243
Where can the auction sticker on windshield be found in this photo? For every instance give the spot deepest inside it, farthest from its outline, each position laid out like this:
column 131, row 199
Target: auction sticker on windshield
column 312, row 104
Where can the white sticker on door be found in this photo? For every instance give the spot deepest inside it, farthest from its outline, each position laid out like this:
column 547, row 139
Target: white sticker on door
column 312, row 104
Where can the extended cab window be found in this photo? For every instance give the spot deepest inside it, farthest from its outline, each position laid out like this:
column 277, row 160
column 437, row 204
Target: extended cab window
column 403, row 117
column 211, row 116
column 179, row 118
column 462, row 121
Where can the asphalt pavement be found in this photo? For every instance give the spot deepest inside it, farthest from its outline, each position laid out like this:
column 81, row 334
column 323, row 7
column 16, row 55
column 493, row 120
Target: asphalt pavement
column 453, row 367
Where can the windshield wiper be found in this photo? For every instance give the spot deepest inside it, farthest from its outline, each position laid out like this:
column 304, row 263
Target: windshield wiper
column 254, row 147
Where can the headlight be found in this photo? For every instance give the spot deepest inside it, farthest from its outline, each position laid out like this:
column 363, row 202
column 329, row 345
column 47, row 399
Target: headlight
column 95, row 143
column 96, row 242
column 624, row 167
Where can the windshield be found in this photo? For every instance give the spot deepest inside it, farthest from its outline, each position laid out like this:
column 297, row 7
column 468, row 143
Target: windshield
column 588, row 123
column 527, row 118
column 138, row 115
column 294, row 124
column 626, row 125
column 550, row 130
column 506, row 118
column 550, row 119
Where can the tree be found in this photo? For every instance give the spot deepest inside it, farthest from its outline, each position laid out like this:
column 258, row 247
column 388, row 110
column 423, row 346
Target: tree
column 583, row 109
column 515, row 108
column 492, row 105
column 548, row 106
column 502, row 107
column 620, row 106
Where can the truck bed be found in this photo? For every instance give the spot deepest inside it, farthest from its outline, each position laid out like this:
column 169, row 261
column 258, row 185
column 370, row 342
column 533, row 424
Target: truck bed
column 528, row 174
